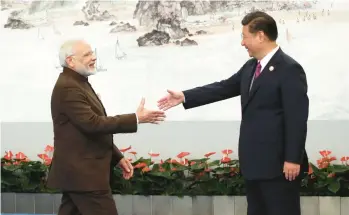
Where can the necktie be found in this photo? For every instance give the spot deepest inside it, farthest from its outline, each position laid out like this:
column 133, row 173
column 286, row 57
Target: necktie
column 258, row 70
column 256, row 73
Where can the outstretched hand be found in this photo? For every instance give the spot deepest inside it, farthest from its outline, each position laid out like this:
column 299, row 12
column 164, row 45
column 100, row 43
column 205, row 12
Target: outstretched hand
column 172, row 99
column 149, row 116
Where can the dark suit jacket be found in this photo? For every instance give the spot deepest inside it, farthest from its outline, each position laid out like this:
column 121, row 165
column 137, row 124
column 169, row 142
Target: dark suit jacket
column 274, row 114
column 83, row 136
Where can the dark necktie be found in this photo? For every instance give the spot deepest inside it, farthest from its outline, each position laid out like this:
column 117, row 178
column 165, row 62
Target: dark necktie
column 256, row 73
column 258, row 70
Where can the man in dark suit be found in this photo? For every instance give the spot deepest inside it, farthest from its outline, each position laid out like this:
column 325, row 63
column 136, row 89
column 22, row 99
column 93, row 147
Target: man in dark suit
column 84, row 152
column 274, row 103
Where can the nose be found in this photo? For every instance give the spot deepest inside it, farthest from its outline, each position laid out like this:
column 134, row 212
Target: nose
column 242, row 43
column 94, row 57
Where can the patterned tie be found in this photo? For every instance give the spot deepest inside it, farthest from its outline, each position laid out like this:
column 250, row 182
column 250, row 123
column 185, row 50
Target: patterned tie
column 258, row 70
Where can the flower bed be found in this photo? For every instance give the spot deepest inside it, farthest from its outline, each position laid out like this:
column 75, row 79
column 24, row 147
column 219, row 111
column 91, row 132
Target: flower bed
column 179, row 177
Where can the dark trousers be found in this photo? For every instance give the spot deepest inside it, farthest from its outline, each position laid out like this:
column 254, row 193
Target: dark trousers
column 87, row 203
column 273, row 197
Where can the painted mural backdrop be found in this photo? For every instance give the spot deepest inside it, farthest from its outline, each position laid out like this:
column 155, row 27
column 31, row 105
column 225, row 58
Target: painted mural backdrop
column 146, row 47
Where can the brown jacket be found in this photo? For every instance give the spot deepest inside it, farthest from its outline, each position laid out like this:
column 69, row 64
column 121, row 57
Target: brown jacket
column 83, row 136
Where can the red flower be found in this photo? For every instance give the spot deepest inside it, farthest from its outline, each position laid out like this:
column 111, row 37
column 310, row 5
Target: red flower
column 153, row 154
column 48, row 161
column 209, row 154
column 45, row 159
column 140, row 165
column 133, row 152
column 227, row 151
column 43, row 156
column 325, row 153
column 325, row 161
column 345, row 160
column 225, row 160
column 125, row 149
column 49, row 148
column 182, row 154
column 145, row 169
column 21, row 156
column 8, row 155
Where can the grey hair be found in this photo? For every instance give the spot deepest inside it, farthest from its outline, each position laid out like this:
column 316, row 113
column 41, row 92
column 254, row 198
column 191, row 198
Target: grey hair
column 66, row 50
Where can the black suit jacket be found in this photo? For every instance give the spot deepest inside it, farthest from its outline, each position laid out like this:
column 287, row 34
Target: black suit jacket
column 274, row 114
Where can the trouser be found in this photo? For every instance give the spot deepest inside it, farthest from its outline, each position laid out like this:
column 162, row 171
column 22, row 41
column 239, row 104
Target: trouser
column 87, row 203
column 273, row 197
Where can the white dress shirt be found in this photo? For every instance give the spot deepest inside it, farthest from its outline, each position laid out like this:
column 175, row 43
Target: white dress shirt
column 265, row 61
column 267, row 58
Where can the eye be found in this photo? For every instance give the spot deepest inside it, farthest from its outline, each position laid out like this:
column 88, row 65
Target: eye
column 90, row 53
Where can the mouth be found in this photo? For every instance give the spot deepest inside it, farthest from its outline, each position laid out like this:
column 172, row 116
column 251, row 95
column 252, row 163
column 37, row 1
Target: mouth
column 92, row 65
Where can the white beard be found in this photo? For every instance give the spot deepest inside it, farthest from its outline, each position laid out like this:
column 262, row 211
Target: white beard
column 86, row 71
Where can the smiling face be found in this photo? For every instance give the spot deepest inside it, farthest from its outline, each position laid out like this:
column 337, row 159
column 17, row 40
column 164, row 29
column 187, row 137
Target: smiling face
column 259, row 34
column 83, row 61
column 253, row 42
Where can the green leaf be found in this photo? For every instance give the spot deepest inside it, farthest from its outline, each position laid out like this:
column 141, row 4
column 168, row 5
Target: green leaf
column 338, row 168
column 202, row 160
column 334, row 186
column 197, row 167
column 214, row 163
column 11, row 168
column 187, row 180
column 162, row 174
column 315, row 169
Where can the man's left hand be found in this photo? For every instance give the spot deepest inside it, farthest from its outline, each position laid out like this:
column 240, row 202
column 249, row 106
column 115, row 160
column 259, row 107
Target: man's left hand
column 127, row 168
column 291, row 170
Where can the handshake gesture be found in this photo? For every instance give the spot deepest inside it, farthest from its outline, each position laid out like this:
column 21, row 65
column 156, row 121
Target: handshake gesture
column 171, row 100
column 149, row 116
column 155, row 116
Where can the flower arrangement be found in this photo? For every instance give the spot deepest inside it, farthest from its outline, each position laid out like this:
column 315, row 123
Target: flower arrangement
column 176, row 176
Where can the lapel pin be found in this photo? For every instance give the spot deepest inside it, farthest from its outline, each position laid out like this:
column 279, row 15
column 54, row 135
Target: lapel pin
column 271, row 68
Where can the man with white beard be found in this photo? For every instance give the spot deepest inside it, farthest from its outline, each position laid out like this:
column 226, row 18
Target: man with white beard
column 84, row 152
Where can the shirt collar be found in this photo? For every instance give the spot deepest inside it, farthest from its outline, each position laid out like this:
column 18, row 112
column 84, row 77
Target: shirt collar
column 267, row 58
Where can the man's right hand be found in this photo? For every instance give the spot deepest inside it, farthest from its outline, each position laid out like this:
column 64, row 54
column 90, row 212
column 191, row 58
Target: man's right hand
column 149, row 116
column 171, row 100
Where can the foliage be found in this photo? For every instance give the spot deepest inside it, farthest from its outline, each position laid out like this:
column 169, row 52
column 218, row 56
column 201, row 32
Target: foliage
column 180, row 176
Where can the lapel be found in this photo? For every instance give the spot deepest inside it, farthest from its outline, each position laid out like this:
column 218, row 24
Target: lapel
column 247, row 81
column 97, row 98
column 248, row 93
